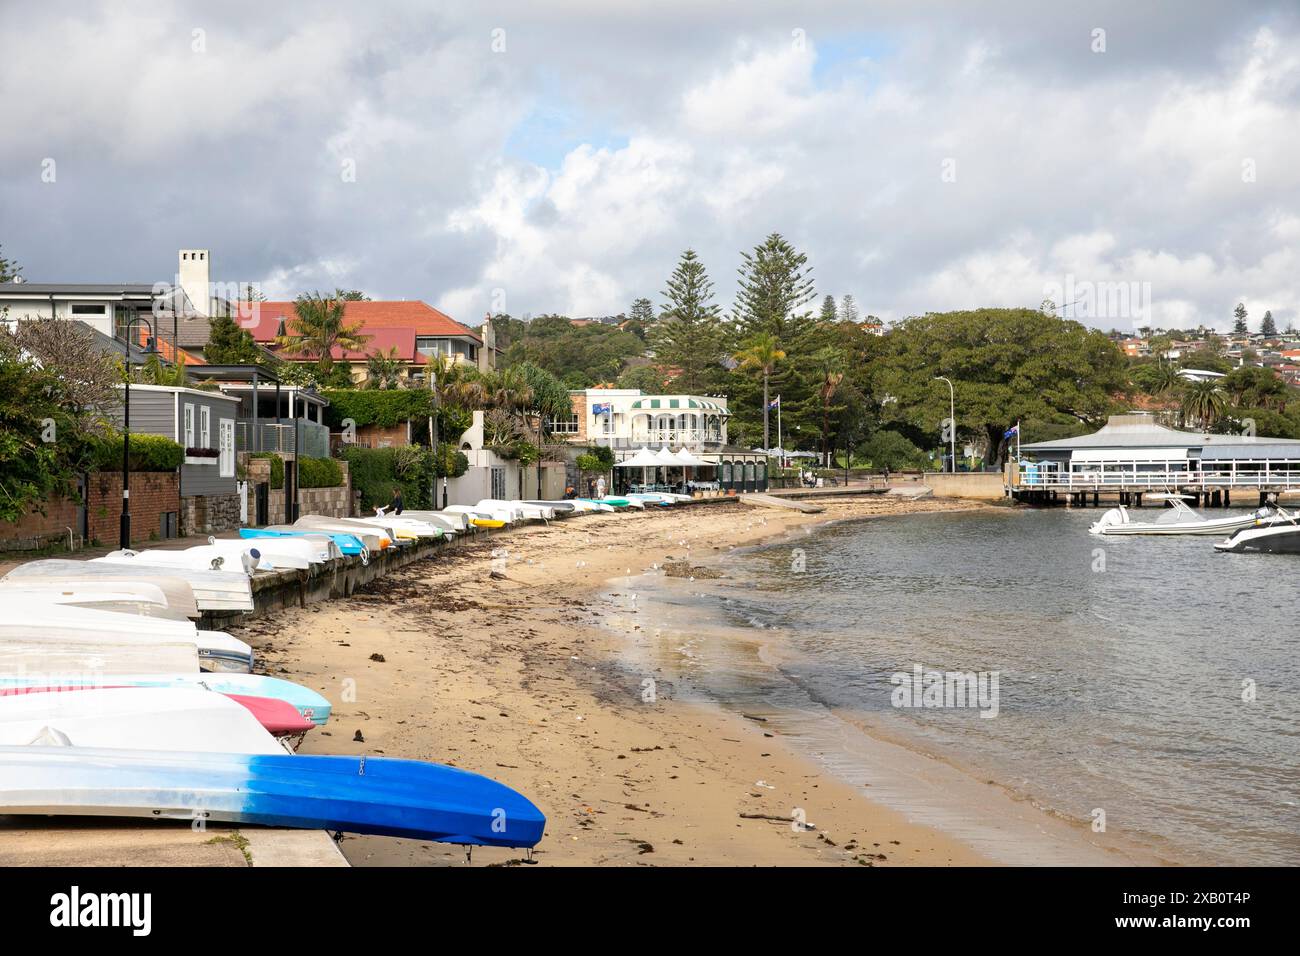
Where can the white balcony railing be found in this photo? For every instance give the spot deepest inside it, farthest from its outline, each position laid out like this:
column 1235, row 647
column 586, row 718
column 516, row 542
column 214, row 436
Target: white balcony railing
column 1093, row 480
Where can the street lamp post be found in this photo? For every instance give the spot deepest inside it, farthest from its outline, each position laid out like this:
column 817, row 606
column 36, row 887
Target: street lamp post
column 124, row 527
column 952, row 422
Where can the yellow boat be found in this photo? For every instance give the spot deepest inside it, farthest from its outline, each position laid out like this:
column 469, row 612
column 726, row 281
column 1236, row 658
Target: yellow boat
column 487, row 523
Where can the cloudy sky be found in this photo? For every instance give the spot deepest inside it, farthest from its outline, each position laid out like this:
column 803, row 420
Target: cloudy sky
column 1132, row 161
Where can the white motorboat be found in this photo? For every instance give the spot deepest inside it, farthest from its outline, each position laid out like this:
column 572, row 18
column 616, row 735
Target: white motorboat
column 178, row 594
column 188, row 719
column 1178, row 518
column 1280, row 535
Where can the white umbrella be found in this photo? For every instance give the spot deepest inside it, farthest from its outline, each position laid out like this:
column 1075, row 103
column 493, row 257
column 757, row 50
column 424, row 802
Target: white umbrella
column 687, row 460
column 643, row 459
column 667, row 459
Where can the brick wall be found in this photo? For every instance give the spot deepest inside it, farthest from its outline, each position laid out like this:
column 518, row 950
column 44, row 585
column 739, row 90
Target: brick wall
column 36, row 530
column 373, row 436
column 580, row 409
column 153, row 494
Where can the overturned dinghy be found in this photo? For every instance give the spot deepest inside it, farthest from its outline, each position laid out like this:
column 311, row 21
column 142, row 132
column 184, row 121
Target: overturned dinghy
column 377, row 795
column 36, row 622
column 213, row 590
column 177, row 594
column 135, row 718
column 309, row 704
column 1178, row 519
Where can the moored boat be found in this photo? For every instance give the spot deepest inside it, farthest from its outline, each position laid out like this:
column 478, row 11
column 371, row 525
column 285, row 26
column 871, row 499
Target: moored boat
column 1177, row 519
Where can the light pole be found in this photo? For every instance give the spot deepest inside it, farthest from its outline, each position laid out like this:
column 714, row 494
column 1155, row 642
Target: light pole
column 952, row 421
column 124, row 527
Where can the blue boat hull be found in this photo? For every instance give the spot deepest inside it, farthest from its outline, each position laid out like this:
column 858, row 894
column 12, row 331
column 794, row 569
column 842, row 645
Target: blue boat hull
column 347, row 543
column 374, row 795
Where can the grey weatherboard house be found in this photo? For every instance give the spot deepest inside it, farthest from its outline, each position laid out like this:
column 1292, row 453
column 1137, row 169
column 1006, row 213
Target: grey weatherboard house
column 195, row 419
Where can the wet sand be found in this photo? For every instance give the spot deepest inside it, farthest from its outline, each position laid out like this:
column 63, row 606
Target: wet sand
column 519, row 676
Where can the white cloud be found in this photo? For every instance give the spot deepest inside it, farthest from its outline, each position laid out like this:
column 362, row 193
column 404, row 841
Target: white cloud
column 1124, row 166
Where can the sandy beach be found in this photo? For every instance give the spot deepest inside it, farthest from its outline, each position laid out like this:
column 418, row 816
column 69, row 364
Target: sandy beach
column 516, row 676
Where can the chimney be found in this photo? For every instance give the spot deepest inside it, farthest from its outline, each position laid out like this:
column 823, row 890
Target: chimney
column 195, row 279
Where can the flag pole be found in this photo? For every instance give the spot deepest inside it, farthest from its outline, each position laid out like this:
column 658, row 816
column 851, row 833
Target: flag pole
column 778, row 430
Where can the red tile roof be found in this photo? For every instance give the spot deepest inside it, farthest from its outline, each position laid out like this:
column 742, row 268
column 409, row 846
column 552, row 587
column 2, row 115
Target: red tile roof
column 389, row 324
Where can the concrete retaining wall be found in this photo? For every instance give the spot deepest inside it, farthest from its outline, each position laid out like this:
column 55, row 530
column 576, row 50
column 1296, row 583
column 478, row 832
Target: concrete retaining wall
column 984, row 485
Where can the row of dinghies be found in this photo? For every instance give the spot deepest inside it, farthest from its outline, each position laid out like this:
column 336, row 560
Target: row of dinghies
column 114, row 701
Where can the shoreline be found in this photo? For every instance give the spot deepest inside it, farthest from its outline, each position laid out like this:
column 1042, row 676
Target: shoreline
column 905, row 772
column 521, row 679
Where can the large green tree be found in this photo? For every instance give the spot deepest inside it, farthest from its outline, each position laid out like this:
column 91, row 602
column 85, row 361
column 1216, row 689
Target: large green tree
column 1007, row 365
column 1239, row 325
column 229, row 344
column 1267, row 326
column 582, row 355
column 47, row 436
column 689, row 333
column 774, row 291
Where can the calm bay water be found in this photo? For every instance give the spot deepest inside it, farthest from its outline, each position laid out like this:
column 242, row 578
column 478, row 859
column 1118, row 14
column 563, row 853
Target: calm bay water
column 1122, row 663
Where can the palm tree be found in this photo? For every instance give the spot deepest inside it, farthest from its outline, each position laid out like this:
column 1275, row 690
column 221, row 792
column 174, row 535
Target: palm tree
column 1204, row 403
column 318, row 326
column 457, row 384
column 830, row 362
column 762, row 353
column 384, row 369
column 1166, row 378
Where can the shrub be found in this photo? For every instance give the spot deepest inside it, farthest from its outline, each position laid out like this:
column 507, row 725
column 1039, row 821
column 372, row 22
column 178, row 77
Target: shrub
column 277, row 467
column 319, row 473
column 148, row 453
column 382, row 407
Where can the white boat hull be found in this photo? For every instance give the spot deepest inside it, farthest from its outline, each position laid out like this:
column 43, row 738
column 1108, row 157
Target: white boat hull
column 130, row 718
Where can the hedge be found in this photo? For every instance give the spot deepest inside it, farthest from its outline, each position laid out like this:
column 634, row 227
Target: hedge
column 148, row 453
column 382, row 407
column 377, row 471
column 319, row 473
column 277, row 467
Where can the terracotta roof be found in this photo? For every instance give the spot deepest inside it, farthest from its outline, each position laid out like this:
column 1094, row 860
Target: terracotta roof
column 414, row 316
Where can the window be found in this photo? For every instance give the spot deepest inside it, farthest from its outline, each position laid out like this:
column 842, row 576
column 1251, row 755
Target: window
column 189, row 425
column 563, row 426
column 80, row 308
column 226, row 445
column 498, row 483
column 205, row 427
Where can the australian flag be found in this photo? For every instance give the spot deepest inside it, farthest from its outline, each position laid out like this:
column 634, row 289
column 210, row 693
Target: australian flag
column 602, row 408
column 1012, row 432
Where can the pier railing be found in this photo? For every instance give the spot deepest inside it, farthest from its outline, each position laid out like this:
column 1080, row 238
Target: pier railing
column 1265, row 478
